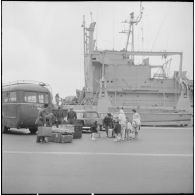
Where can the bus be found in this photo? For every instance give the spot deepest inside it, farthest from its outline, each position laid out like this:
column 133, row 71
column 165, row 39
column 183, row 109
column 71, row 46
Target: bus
column 21, row 102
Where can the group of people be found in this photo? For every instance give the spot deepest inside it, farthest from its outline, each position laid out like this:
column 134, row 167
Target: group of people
column 47, row 118
column 121, row 126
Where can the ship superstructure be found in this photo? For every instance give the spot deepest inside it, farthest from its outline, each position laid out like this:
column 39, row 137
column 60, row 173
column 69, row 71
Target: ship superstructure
column 113, row 79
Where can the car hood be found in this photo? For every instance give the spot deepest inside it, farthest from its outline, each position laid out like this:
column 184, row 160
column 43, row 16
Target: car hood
column 90, row 121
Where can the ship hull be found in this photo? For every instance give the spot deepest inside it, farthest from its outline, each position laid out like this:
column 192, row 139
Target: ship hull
column 164, row 119
column 149, row 117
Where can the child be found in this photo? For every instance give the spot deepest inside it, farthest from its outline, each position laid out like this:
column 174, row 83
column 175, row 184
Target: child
column 94, row 130
column 117, row 130
column 135, row 128
column 129, row 129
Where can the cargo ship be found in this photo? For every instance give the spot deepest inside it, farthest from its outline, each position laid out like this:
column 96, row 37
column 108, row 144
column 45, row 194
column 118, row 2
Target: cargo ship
column 113, row 80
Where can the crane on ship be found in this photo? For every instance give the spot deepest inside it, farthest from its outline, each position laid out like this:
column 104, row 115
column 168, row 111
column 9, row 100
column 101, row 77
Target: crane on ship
column 130, row 31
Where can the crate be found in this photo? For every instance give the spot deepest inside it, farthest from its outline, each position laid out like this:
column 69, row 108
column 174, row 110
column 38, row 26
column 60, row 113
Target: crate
column 44, row 131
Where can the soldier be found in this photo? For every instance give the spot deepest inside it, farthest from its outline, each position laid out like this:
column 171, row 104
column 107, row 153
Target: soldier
column 72, row 116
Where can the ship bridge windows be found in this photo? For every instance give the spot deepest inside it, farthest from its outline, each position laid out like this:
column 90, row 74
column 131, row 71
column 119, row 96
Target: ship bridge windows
column 108, row 81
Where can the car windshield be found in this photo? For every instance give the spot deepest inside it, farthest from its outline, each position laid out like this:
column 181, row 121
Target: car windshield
column 90, row 115
column 79, row 114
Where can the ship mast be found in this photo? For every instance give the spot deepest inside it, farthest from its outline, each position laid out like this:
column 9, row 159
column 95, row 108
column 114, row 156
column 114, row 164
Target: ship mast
column 130, row 31
column 89, row 44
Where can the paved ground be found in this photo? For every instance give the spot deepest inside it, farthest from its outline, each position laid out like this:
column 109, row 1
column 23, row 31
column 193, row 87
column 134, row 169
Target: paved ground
column 160, row 161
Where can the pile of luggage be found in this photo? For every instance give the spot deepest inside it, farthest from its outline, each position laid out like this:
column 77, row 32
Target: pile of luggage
column 63, row 134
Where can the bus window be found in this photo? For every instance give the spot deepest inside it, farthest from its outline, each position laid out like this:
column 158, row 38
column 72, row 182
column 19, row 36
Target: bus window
column 46, row 98
column 43, row 98
column 5, row 96
column 12, row 97
column 30, row 97
column 9, row 97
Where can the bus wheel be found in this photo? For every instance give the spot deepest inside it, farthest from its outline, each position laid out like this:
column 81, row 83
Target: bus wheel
column 5, row 129
column 33, row 130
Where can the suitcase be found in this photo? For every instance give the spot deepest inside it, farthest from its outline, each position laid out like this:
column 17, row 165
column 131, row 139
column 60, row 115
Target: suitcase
column 77, row 132
column 56, row 137
column 66, row 138
column 44, row 131
column 51, row 139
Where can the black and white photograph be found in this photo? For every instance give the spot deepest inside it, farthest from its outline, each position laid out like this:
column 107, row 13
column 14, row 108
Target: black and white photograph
column 97, row 97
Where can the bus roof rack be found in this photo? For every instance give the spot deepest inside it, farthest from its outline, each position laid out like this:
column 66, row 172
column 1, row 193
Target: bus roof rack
column 28, row 82
column 25, row 82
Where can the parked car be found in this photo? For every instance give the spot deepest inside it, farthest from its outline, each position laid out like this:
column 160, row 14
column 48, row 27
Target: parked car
column 87, row 118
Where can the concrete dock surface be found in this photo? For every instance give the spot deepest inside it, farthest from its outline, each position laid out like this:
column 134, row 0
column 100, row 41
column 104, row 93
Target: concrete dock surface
column 160, row 161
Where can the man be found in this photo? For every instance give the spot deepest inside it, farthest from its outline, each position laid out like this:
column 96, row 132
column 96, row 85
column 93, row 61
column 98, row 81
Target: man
column 45, row 118
column 57, row 97
column 72, row 116
column 108, row 122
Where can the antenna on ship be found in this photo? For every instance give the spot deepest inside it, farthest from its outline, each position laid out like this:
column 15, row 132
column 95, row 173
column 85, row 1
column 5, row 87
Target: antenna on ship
column 91, row 16
column 130, row 31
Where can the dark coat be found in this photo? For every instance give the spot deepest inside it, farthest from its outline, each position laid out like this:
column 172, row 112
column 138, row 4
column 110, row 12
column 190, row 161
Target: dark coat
column 117, row 128
column 108, row 121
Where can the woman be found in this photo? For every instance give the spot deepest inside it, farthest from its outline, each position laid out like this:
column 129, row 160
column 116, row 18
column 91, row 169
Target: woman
column 117, row 130
column 136, row 122
column 122, row 122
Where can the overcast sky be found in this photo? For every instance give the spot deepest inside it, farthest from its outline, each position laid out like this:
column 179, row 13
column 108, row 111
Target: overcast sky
column 43, row 41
